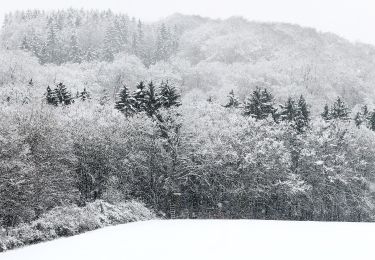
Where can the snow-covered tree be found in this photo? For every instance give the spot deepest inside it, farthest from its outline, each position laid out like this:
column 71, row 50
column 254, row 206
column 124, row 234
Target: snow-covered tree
column 125, row 102
column 260, row 104
column 168, row 95
column 339, row 110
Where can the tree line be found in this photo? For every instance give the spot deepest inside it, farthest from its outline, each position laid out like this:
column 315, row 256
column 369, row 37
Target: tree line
column 247, row 159
column 77, row 36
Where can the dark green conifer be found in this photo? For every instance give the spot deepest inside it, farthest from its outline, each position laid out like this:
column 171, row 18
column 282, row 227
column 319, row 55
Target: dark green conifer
column 84, row 95
column 51, row 97
column 288, row 111
column 340, row 110
column 362, row 116
column 125, row 103
column 260, row 104
column 140, row 97
column 152, row 103
column 168, row 95
column 64, row 97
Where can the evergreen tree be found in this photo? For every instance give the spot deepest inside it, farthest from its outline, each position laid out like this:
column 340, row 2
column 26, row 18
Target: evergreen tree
column 302, row 118
column 123, row 29
column 260, row 104
column 140, row 42
column 362, row 116
column 140, row 97
column 174, row 39
column 64, row 97
column 118, row 40
column 51, row 97
column 140, row 33
column 51, row 45
column 326, row 115
column 134, row 47
column 111, row 44
column 233, row 101
column 125, row 103
column 300, row 122
column 297, row 114
column 303, row 107
column 74, row 52
column 163, row 44
column 340, row 110
column 288, row 111
column 168, row 95
column 152, row 103
column 84, row 95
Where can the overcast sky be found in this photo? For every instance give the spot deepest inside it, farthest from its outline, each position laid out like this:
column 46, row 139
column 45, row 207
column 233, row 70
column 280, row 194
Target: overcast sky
column 352, row 19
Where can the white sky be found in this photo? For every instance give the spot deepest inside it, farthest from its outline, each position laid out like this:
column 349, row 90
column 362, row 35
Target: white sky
column 352, row 19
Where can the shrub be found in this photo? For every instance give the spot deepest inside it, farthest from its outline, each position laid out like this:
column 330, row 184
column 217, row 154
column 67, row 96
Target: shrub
column 71, row 220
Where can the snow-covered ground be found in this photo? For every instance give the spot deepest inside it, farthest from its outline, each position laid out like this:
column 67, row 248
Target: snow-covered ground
column 211, row 239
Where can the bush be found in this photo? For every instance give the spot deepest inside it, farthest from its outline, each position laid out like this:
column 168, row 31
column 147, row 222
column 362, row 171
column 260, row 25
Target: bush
column 72, row 220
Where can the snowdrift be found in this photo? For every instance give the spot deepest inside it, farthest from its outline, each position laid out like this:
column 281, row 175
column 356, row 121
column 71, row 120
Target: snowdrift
column 211, row 239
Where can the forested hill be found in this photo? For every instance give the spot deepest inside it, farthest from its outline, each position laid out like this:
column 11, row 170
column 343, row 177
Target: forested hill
column 200, row 53
column 224, row 118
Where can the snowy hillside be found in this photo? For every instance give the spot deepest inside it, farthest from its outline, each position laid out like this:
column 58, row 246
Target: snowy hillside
column 206, row 239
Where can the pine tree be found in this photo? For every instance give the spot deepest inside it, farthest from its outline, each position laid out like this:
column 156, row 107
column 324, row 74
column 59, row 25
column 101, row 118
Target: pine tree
column 140, row 31
column 126, row 102
column 163, row 44
column 118, row 40
column 362, row 116
column 288, row 111
column 326, row 115
column 303, row 107
column 63, row 96
column 152, row 103
column 141, row 46
column 134, row 47
column 297, row 114
column 302, row 117
column 233, row 101
column 124, row 30
column 300, row 122
column 340, row 110
column 140, row 97
column 51, row 44
column 74, row 52
column 110, row 44
column 168, row 95
column 51, row 97
column 267, row 102
column 259, row 105
column 84, row 95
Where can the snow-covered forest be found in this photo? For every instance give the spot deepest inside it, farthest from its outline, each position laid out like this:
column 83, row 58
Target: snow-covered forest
column 190, row 116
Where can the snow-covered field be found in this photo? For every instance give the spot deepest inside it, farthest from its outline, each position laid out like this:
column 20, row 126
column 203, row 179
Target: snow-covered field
column 211, row 239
